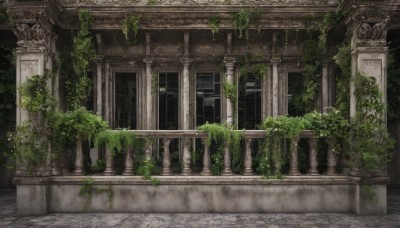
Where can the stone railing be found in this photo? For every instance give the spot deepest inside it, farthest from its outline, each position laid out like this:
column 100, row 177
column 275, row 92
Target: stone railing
column 201, row 2
column 248, row 136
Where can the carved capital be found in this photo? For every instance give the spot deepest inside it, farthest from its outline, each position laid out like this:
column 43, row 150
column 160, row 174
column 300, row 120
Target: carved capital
column 275, row 60
column 229, row 62
column 186, row 61
column 148, row 61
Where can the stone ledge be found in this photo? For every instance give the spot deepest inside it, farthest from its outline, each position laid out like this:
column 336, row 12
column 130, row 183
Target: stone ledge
column 199, row 180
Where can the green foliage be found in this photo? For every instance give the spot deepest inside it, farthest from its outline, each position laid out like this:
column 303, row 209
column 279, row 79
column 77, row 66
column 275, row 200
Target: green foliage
column 131, row 24
column 3, row 15
column 343, row 60
column 230, row 91
column 213, row 22
column 99, row 166
column 35, row 97
column 223, row 135
column 146, row 169
column 88, row 189
column 393, row 85
column 79, row 87
column 331, row 124
column 152, row 2
column 116, row 139
column 284, row 126
column 78, row 123
column 370, row 139
column 241, row 21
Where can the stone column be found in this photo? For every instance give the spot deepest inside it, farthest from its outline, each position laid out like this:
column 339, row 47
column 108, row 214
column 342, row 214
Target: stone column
column 313, row 157
column 229, row 64
column 186, row 106
column 294, row 160
column 149, row 104
column 206, row 160
column 369, row 56
column 128, row 162
column 99, row 92
column 325, row 87
column 78, row 171
column 35, row 47
column 166, row 171
column 109, row 163
column 331, row 157
column 248, row 171
column 275, row 87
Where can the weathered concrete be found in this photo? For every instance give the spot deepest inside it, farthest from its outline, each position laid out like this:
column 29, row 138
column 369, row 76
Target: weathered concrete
column 201, row 194
column 9, row 218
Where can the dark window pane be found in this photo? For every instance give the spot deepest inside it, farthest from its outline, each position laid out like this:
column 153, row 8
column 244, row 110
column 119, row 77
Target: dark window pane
column 125, row 97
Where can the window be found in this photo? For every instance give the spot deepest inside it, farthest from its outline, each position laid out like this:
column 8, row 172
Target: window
column 125, row 97
column 208, row 98
column 249, row 102
column 295, row 88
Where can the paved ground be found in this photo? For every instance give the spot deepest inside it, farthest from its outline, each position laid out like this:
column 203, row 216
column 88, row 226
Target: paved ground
column 8, row 218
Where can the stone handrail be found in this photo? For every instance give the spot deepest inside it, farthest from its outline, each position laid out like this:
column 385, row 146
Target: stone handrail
column 248, row 136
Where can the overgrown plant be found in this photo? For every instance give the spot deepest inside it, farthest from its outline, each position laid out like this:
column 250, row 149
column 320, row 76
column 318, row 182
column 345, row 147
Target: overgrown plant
column 129, row 25
column 225, row 136
column 241, row 21
column 370, row 139
column 213, row 22
column 116, row 140
column 88, row 189
column 343, row 60
column 79, row 86
column 146, row 169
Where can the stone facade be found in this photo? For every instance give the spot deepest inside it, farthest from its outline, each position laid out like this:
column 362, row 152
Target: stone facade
column 175, row 43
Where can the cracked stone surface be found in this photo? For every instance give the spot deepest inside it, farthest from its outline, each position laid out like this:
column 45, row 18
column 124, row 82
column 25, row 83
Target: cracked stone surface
column 8, row 218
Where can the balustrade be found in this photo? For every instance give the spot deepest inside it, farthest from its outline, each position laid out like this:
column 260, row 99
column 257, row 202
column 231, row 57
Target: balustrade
column 248, row 138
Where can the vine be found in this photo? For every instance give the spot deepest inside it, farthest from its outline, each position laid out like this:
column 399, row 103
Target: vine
column 88, row 189
column 222, row 135
column 213, row 22
column 131, row 24
column 79, row 87
column 116, row 139
column 241, row 21
column 146, row 169
column 370, row 139
column 343, row 60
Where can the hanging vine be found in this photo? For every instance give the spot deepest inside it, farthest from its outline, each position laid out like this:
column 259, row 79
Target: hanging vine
column 129, row 25
column 241, row 21
column 343, row 60
column 213, row 22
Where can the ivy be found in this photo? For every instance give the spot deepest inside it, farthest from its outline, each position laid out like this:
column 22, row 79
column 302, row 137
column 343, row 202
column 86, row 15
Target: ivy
column 223, row 135
column 116, row 139
column 79, row 87
column 370, row 139
column 146, row 169
column 343, row 60
column 131, row 24
column 241, row 21
column 213, row 22
column 88, row 189
column 35, row 97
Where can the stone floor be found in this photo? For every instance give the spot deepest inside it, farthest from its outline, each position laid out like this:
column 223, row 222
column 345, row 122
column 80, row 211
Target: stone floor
column 8, row 218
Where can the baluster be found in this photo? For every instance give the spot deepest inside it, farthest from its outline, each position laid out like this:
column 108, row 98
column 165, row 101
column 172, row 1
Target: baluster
column 166, row 171
column 227, row 171
column 128, row 162
column 78, row 159
column 313, row 157
column 294, row 157
column 248, row 171
column 276, row 145
column 109, row 163
column 206, row 159
column 186, row 170
column 331, row 157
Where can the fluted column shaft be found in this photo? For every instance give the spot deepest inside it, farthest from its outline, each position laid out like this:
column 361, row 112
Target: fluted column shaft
column 149, row 104
column 275, row 87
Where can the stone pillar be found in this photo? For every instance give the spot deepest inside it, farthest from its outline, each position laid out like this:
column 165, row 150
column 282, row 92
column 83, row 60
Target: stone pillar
column 313, row 157
column 248, row 171
column 109, row 163
column 275, row 87
column 186, row 121
column 35, row 48
column 166, row 171
column 294, row 160
column 331, row 157
column 229, row 64
column 369, row 56
column 149, row 100
column 99, row 91
column 128, row 162
column 206, row 160
column 78, row 171
column 325, row 88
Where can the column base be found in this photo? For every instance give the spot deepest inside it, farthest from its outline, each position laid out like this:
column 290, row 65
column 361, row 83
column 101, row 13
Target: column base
column 331, row 172
column 109, row 172
column 227, row 172
column 294, row 172
column 248, row 172
column 313, row 172
column 78, row 172
column 186, row 172
column 127, row 173
column 206, row 173
column 166, row 172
